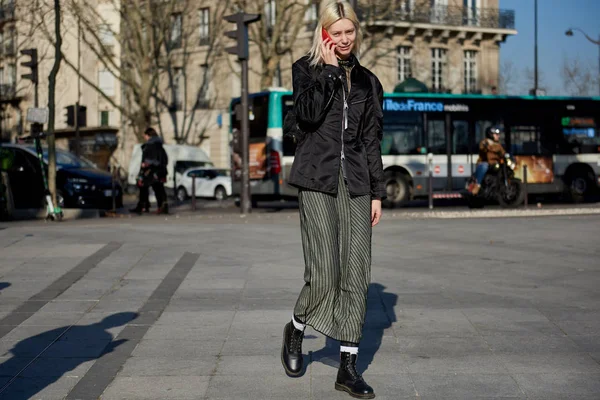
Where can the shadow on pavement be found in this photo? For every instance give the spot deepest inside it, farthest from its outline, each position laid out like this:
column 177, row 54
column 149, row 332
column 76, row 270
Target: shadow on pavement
column 4, row 285
column 381, row 306
column 39, row 361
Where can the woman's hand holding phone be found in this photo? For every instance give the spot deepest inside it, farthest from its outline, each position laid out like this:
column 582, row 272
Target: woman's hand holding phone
column 328, row 49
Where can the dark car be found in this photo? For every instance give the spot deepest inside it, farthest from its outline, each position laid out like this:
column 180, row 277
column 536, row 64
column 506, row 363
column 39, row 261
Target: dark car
column 79, row 183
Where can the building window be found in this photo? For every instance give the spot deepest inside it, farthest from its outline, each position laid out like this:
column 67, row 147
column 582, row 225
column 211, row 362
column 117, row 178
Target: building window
column 203, row 99
column 470, row 71
column 471, row 12
column 106, row 35
column 176, row 31
column 438, row 68
column 106, row 82
column 439, row 11
column 11, row 74
column 105, row 119
column 178, row 87
column 271, row 13
column 406, row 9
column 204, row 19
column 312, row 15
column 404, row 63
column 9, row 42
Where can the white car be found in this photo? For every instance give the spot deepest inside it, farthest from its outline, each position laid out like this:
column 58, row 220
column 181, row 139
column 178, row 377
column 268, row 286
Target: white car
column 210, row 182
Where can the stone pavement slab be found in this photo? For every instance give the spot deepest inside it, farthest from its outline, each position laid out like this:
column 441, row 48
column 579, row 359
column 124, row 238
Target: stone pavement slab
column 457, row 309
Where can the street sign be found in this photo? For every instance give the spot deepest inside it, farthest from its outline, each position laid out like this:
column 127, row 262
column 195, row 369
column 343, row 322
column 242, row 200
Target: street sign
column 461, row 169
column 37, row 115
column 437, row 169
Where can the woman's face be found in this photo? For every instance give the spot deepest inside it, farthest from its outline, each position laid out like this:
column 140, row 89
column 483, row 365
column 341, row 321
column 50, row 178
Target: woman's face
column 343, row 34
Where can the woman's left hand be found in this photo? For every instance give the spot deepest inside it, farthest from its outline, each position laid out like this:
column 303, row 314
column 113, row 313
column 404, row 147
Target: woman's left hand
column 375, row 212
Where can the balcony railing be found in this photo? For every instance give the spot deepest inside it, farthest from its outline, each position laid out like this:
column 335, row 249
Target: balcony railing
column 494, row 18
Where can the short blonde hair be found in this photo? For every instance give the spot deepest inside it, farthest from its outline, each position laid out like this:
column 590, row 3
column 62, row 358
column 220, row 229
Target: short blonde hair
column 331, row 12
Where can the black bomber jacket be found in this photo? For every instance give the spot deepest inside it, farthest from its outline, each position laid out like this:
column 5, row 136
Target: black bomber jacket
column 336, row 120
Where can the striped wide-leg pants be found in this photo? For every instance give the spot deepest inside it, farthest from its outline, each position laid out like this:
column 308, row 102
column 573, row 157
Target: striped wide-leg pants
column 336, row 239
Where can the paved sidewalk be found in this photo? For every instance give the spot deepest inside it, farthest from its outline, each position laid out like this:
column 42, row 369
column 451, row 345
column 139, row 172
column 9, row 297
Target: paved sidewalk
column 193, row 308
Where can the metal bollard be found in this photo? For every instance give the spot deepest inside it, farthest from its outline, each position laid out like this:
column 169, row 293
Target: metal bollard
column 193, row 192
column 525, row 186
column 114, row 195
column 430, row 161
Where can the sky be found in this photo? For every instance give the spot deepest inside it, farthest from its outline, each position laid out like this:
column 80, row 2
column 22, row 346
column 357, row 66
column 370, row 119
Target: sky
column 554, row 18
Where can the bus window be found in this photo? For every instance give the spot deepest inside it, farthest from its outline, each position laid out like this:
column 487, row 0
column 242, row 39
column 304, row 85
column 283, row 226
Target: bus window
column 527, row 140
column 402, row 133
column 460, row 137
column 258, row 115
column 436, row 136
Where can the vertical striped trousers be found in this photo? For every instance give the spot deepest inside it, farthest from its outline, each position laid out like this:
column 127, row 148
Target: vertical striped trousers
column 336, row 239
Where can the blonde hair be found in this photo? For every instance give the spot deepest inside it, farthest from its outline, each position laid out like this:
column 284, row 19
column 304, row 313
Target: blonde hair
column 331, row 12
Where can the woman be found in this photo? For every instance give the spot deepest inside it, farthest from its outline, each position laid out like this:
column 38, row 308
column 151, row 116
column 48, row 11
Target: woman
column 338, row 171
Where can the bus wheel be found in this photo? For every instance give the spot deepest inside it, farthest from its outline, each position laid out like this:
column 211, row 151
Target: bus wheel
column 580, row 187
column 397, row 188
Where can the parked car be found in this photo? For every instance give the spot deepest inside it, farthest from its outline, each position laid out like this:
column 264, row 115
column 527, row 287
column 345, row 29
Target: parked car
column 79, row 183
column 210, row 182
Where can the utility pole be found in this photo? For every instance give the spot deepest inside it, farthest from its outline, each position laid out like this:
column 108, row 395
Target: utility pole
column 535, row 84
column 242, row 20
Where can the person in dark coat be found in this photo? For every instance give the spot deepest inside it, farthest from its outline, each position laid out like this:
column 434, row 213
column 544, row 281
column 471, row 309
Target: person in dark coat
column 153, row 173
column 338, row 171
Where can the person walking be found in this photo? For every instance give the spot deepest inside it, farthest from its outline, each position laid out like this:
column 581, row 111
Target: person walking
column 153, row 173
column 338, row 171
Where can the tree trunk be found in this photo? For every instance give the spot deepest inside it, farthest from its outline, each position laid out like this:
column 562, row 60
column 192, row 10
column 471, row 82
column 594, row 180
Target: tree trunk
column 51, row 105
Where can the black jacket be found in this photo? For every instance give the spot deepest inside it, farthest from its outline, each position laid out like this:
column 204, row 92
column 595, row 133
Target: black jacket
column 319, row 109
column 154, row 157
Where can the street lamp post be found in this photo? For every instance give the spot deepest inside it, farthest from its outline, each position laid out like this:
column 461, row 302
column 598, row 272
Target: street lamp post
column 569, row 32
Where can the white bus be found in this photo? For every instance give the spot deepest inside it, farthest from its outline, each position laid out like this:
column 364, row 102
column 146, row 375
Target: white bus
column 558, row 138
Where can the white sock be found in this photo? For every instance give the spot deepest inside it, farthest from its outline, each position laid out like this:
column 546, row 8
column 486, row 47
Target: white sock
column 348, row 349
column 297, row 324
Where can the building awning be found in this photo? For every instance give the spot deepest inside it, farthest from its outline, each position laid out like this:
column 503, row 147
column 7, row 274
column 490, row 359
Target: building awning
column 411, row 85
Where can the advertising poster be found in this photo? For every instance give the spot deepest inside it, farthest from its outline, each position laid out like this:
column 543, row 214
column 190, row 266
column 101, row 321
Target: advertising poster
column 257, row 162
column 540, row 169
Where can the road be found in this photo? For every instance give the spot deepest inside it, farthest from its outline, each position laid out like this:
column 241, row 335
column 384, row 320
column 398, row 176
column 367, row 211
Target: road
column 180, row 307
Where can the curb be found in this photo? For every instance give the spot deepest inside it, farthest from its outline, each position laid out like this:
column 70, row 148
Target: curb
column 496, row 213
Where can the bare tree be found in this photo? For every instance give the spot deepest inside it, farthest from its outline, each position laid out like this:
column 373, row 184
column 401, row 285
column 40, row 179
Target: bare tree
column 508, row 78
column 152, row 51
column 528, row 81
column 278, row 31
column 578, row 77
column 51, row 104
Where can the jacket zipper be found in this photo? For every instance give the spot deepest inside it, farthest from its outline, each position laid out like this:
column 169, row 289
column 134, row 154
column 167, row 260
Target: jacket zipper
column 344, row 124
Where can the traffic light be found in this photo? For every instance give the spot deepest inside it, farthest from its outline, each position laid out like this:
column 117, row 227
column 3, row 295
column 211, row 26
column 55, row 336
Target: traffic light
column 242, row 20
column 32, row 64
column 70, row 116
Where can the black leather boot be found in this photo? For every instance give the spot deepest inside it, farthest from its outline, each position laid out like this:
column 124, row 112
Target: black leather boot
column 349, row 380
column 291, row 350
